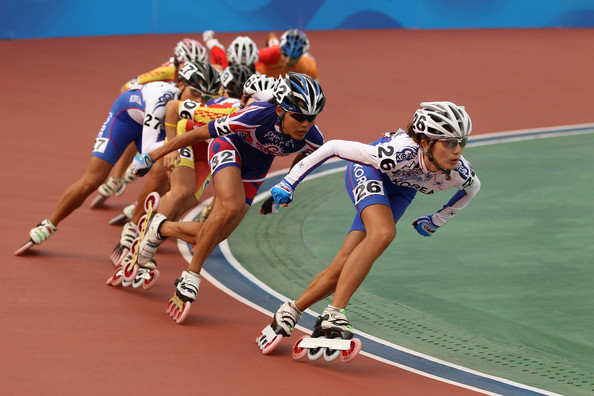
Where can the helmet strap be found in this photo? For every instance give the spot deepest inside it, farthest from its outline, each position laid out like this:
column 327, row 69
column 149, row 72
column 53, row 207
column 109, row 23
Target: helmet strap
column 284, row 136
column 430, row 157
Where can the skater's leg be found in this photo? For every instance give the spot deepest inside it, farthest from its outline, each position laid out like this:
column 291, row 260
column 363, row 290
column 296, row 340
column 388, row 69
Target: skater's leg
column 119, row 169
column 76, row 193
column 324, row 284
column 380, row 232
column 226, row 215
column 180, row 197
column 157, row 181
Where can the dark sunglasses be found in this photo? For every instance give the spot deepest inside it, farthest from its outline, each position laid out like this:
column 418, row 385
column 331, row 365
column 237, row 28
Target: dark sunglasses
column 302, row 117
column 453, row 143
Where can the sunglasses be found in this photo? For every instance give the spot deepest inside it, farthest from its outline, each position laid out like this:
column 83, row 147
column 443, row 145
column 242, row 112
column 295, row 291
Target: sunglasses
column 197, row 92
column 302, row 117
column 453, row 143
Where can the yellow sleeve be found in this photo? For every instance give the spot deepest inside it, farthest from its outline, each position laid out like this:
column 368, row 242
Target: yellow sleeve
column 161, row 73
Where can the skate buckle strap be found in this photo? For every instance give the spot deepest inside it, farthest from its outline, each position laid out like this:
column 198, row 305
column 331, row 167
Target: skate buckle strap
column 338, row 344
column 269, row 333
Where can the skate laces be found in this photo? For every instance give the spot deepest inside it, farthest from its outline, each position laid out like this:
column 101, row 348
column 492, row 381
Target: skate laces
column 42, row 231
column 129, row 234
column 111, row 186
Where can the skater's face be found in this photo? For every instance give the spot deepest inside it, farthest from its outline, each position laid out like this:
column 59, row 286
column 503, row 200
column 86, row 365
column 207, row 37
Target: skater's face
column 295, row 125
column 446, row 153
column 193, row 94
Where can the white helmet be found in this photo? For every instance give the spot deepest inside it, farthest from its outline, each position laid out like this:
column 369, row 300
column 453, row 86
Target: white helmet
column 442, row 120
column 260, row 86
column 189, row 50
column 242, row 51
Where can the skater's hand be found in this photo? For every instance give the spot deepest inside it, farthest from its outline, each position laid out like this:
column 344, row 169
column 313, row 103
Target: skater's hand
column 269, row 207
column 141, row 164
column 282, row 193
column 171, row 160
column 425, row 226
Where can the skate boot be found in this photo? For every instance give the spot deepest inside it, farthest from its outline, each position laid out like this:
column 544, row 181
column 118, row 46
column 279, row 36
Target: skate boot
column 332, row 338
column 129, row 234
column 129, row 176
column 125, row 216
column 37, row 235
column 186, row 290
column 147, row 276
column 113, row 185
column 150, row 242
column 282, row 325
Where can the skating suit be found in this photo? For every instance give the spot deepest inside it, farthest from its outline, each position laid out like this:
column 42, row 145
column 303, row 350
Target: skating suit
column 391, row 171
column 250, row 140
column 138, row 116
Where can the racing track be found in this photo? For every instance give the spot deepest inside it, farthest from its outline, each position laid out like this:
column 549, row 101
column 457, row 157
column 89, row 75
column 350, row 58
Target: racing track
column 64, row 332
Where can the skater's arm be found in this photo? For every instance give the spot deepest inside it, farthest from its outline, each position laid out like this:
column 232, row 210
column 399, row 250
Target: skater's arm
column 187, row 139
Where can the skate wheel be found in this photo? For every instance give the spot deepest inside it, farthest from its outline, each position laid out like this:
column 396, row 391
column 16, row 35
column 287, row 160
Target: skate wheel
column 347, row 356
column 140, row 224
column 272, row 344
column 98, row 200
column 170, row 306
column 299, row 353
column 183, row 314
column 151, row 282
column 125, row 283
column 136, row 283
column 331, row 354
column 26, row 246
column 134, row 246
column 116, row 278
column 315, row 353
column 130, row 273
column 152, row 199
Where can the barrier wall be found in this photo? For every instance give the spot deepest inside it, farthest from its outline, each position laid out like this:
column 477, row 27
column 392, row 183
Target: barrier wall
column 65, row 18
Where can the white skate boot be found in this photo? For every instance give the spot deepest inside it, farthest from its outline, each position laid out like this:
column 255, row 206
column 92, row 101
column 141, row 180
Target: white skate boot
column 129, row 234
column 282, row 325
column 113, row 185
column 186, row 290
column 125, row 216
column 332, row 337
column 129, row 176
column 148, row 245
column 38, row 235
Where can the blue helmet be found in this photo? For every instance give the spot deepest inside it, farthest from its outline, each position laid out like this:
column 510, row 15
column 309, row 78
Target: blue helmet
column 299, row 93
column 294, row 43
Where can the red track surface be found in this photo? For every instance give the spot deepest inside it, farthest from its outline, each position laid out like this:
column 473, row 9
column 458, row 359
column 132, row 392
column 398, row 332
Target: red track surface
column 64, row 332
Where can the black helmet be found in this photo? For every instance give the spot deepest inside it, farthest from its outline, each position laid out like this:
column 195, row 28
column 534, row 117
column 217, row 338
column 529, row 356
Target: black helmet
column 202, row 76
column 233, row 79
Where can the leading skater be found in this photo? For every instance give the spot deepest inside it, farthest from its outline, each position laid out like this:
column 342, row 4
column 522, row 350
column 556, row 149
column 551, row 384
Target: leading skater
column 382, row 178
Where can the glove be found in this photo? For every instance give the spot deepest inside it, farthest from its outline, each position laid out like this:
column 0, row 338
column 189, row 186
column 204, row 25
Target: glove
column 282, row 193
column 425, row 226
column 269, row 207
column 207, row 35
column 141, row 164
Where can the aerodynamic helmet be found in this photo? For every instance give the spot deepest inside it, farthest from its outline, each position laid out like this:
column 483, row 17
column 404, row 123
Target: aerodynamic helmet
column 442, row 121
column 242, row 51
column 202, row 76
column 234, row 77
column 189, row 50
column 299, row 93
column 294, row 43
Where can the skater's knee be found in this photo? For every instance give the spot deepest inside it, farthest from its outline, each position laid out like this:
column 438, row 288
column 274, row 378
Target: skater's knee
column 180, row 193
column 381, row 238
